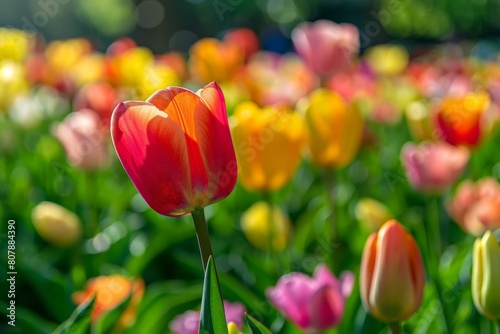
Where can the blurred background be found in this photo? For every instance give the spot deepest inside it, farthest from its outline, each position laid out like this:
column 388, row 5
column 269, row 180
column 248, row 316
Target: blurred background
column 167, row 25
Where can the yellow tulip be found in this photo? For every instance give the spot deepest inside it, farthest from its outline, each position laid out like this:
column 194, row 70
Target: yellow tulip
column 387, row 59
column 372, row 214
column 256, row 222
column 63, row 56
column 486, row 275
column 156, row 77
column 268, row 144
column 334, row 129
column 232, row 328
column 213, row 60
column 14, row 44
column 56, row 224
column 418, row 119
column 13, row 82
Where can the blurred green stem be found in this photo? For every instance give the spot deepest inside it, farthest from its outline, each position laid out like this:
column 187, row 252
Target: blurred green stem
column 498, row 326
column 332, row 228
column 92, row 224
column 395, row 328
column 434, row 250
column 271, row 232
column 200, row 225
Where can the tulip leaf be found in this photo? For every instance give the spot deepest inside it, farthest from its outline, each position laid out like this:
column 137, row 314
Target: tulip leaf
column 109, row 319
column 255, row 326
column 79, row 321
column 212, row 316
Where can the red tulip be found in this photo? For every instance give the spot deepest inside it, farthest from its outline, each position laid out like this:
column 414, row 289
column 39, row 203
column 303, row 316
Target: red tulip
column 176, row 148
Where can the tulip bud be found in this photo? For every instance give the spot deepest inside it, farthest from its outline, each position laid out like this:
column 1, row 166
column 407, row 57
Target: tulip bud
column 459, row 119
column 56, row 224
column 256, row 222
column 392, row 274
column 372, row 214
column 486, row 275
column 109, row 292
column 13, row 82
column 232, row 328
column 268, row 145
column 387, row 59
column 334, row 129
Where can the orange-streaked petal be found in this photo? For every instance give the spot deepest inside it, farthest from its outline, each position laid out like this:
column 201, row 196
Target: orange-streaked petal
column 150, row 145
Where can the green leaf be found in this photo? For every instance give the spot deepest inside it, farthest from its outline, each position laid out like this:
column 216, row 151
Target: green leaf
column 79, row 321
column 255, row 326
column 212, row 316
column 108, row 320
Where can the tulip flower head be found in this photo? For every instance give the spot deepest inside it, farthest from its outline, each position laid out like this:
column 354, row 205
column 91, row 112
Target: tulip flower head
column 314, row 304
column 255, row 224
column 372, row 214
column 392, row 274
column 189, row 322
column 81, row 135
column 433, row 167
column 476, row 206
column 326, row 46
column 334, row 129
column 459, row 119
column 176, row 148
column 109, row 292
column 486, row 275
column 56, row 224
column 268, row 145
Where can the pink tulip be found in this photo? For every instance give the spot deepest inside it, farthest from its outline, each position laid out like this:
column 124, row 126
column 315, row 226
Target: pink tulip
column 84, row 143
column 433, row 167
column 315, row 303
column 189, row 322
column 476, row 206
column 326, row 46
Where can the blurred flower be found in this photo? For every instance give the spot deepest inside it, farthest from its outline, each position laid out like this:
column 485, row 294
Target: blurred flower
column 486, row 275
column 120, row 46
column 272, row 78
column 56, row 224
column 268, row 145
column 387, row 59
column 14, row 44
column 476, row 206
column 356, row 81
column 81, row 135
column 176, row 148
column 256, row 221
column 156, row 76
column 459, row 118
column 90, row 68
column 433, row 167
column 315, row 304
column 213, row 60
column 372, row 214
column 127, row 68
column 109, row 292
column 245, row 39
column 418, row 119
column 175, row 61
column 334, row 129
column 325, row 46
column 392, row 274
column 189, row 322
column 232, row 328
column 13, row 83
column 99, row 97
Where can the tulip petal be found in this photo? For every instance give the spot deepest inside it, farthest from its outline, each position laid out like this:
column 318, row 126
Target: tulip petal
column 367, row 269
column 215, row 142
column 149, row 144
column 326, row 307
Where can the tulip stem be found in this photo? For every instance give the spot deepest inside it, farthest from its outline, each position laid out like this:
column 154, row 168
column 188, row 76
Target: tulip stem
column 498, row 326
column 395, row 327
column 271, row 232
column 200, row 225
column 92, row 226
column 332, row 229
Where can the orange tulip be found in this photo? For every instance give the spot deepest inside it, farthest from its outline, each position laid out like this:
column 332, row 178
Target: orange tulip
column 109, row 292
column 459, row 119
column 176, row 148
column 392, row 274
column 211, row 59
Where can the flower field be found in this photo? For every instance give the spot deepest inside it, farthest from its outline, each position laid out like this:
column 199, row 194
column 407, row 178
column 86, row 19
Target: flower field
column 232, row 189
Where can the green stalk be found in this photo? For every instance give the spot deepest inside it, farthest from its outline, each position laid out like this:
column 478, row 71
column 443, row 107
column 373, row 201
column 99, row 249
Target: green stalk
column 92, row 224
column 395, row 328
column 332, row 234
column 498, row 326
column 433, row 242
column 200, row 225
